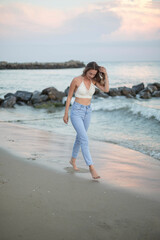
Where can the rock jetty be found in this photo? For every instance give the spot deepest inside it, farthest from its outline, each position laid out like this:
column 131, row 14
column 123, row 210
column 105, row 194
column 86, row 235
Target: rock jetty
column 50, row 96
column 38, row 65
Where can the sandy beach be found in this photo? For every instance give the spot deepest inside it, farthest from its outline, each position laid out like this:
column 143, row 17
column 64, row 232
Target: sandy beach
column 42, row 198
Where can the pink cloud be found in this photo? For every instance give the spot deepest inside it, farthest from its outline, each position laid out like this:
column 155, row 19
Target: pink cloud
column 30, row 18
column 140, row 21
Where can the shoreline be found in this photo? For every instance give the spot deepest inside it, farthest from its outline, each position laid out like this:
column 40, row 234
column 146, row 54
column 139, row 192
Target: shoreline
column 118, row 166
column 41, row 203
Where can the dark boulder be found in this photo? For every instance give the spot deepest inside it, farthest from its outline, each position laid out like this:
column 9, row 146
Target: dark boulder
column 138, row 88
column 151, row 88
column 145, row 94
column 157, row 85
column 37, row 97
column 156, row 94
column 8, row 95
column 99, row 93
column 23, row 96
column 53, row 93
column 9, row 102
column 114, row 92
column 129, row 96
column 125, row 91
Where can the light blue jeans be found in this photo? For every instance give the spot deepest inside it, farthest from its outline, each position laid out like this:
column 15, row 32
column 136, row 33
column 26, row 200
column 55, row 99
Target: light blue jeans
column 80, row 118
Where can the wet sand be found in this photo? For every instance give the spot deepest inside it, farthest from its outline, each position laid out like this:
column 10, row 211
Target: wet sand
column 118, row 166
column 38, row 201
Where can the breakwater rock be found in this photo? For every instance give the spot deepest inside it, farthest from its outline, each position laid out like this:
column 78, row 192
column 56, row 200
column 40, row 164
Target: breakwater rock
column 137, row 91
column 46, row 98
column 50, row 96
column 38, row 65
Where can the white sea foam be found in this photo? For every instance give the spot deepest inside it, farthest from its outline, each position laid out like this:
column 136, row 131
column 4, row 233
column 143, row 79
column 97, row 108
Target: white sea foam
column 133, row 106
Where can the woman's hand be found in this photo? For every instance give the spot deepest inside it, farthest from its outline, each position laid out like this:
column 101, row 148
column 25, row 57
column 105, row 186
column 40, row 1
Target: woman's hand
column 103, row 70
column 65, row 118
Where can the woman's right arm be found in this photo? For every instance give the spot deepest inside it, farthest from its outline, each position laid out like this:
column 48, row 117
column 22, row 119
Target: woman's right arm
column 70, row 95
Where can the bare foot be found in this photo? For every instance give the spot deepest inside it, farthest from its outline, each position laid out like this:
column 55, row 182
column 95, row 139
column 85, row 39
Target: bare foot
column 74, row 165
column 94, row 173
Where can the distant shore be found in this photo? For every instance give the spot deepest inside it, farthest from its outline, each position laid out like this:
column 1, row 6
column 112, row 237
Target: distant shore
column 37, row 65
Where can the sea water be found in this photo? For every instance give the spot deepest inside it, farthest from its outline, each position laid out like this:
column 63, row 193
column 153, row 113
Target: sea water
column 132, row 123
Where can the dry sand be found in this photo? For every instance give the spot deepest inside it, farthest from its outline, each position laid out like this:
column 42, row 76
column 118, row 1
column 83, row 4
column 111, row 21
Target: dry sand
column 39, row 202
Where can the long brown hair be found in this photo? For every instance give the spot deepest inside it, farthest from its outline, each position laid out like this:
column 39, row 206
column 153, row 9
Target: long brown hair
column 99, row 77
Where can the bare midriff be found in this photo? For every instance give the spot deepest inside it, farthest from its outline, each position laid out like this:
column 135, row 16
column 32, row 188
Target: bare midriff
column 83, row 101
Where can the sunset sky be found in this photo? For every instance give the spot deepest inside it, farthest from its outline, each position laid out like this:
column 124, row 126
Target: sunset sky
column 60, row 30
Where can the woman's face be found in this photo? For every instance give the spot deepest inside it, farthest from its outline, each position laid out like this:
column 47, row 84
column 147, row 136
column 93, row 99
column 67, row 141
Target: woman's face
column 90, row 74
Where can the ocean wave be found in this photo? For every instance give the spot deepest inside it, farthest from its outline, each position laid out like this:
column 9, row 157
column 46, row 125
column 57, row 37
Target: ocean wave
column 146, row 112
column 134, row 108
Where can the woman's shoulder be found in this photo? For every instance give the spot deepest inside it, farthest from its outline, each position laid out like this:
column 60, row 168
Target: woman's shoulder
column 77, row 79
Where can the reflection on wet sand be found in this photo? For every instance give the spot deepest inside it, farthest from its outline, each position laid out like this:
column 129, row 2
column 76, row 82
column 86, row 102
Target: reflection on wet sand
column 128, row 168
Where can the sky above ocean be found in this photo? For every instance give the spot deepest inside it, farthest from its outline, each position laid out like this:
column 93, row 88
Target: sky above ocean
column 109, row 30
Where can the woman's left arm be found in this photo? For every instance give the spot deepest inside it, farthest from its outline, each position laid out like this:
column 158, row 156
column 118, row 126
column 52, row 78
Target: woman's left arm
column 104, row 88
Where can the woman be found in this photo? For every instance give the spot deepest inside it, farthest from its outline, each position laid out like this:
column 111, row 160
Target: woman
column 84, row 87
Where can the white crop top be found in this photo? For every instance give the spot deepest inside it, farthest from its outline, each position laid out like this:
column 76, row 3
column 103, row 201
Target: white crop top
column 83, row 92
